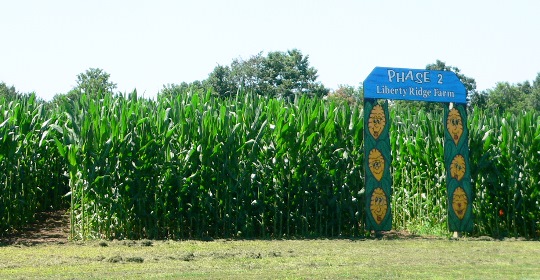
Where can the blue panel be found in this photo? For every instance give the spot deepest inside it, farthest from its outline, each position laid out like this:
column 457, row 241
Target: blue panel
column 414, row 84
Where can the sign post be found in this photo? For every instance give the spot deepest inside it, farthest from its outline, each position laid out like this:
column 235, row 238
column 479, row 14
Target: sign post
column 415, row 85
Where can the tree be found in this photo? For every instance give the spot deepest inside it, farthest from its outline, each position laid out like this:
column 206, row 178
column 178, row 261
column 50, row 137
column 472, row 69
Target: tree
column 534, row 99
column 479, row 100
column 536, row 82
column 506, row 97
column 172, row 90
column 347, row 94
column 247, row 74
column 10, row 94
column 221, row 81
column 289, row 74
column 94, row 82
column 7, row 92
column 279, row 74
column 514, row 98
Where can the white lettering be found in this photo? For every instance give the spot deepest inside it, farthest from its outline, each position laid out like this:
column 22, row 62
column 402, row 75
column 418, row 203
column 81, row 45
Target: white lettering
column 419, row 91
column 444, row 93
column 388, row 90
column 422, row 77
column 403, row 76
column 409, row 76
column 391, row 75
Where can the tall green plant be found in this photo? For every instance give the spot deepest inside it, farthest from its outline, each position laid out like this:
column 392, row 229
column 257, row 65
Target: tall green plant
column 197, row 166
column 31, row 174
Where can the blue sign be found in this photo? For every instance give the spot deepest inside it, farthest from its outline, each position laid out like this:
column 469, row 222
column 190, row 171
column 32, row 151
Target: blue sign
column 414, row 84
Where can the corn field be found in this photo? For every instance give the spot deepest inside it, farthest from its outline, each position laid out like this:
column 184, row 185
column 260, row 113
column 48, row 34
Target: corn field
column 198, row 166
column 31, row 177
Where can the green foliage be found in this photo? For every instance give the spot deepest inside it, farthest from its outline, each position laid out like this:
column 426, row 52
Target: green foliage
column 505, row 97
column 196, row 166
column 221, row 81
column 6, row 92
column 419, row 185
column 521, row 97
column 31, row 169
column 478, row 100
column 192, row 165
column 506, row 171
column 172, row 90
column 94, row 81
column 279, row 74
column 347, row 94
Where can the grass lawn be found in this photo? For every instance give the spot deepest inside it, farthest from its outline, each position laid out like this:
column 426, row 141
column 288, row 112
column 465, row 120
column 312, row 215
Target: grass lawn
column 405, row 258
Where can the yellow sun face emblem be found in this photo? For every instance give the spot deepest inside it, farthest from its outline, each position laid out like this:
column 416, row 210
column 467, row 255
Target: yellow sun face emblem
column 378, row 205
column 459, row 202
column 376, row 164
column 377, row 121
column 457, row 167
column 454, row 125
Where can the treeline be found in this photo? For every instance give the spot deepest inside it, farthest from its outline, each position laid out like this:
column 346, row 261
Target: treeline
column 513, row 98
column 288, row 75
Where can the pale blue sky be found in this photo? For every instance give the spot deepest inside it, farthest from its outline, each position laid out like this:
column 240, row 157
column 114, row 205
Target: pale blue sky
column 146, row 44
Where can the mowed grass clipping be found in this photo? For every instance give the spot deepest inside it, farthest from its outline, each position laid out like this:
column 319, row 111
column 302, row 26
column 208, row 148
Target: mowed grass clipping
column 291, row 259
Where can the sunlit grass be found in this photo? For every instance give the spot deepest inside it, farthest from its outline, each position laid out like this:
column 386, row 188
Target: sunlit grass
column 286, row 259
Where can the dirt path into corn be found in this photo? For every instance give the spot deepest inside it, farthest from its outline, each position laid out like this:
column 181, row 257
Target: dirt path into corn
column 51, row 228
